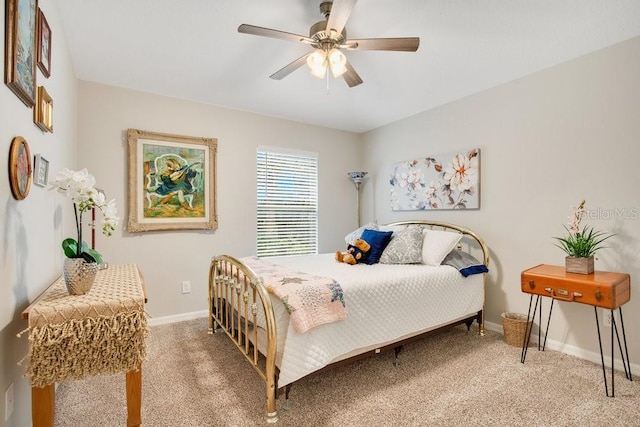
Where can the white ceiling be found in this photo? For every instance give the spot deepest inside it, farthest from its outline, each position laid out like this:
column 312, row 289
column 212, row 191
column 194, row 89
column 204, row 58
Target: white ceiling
column 190, row 49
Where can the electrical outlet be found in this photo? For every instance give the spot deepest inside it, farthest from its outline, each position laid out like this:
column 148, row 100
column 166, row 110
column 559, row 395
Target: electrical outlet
column 8, row 402
column 186, row 287
column 606, row 318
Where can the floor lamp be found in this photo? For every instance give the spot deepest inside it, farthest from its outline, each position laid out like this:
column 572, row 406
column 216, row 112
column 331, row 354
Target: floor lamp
column 358, row 179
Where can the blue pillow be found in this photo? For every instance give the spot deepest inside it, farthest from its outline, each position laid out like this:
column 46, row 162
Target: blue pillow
column 378, row 241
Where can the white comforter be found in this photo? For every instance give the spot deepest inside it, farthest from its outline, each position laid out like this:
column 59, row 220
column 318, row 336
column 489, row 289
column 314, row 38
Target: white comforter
column 384, row 302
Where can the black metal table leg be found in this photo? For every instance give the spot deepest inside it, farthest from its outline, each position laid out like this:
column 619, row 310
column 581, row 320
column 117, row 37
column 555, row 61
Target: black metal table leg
column 627, row 365
column 604, row 372
column 527, row 335
column 614, row 325
column 613, row 377
column 546, row 332
column 624, row 353
column 539, row 323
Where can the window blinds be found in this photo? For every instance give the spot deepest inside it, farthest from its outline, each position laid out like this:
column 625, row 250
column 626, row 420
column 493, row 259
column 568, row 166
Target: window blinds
column 287, row 203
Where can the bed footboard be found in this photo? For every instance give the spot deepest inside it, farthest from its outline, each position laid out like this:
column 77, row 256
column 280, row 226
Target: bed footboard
column 236, row 295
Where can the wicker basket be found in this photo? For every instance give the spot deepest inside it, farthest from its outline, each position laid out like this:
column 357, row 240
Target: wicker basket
column 515, row 328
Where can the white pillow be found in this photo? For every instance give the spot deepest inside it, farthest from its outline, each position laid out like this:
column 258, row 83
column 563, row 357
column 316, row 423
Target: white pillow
column 437, row 244
column 355, row 234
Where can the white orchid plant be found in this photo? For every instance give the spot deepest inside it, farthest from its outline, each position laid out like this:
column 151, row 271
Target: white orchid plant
column 79, row 187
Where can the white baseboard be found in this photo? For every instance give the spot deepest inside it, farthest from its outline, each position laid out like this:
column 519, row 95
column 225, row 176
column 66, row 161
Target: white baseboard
column 570, row 349
column 155, row 321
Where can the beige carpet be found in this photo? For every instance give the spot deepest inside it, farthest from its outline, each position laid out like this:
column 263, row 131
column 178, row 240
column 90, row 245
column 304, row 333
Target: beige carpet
column 450, row 379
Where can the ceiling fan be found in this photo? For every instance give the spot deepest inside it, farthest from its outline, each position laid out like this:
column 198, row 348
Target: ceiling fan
column 327, row 38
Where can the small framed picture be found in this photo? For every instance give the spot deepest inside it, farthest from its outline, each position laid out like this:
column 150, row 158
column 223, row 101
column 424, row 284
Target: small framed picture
column 43, row 111
column 41, row 171
column 44, row 45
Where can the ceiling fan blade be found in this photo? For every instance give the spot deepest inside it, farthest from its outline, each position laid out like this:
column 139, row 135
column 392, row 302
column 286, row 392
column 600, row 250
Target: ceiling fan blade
column 340, row 11
column 276, row 34
column 290, row 68
column 350, row 76
column 406, row 44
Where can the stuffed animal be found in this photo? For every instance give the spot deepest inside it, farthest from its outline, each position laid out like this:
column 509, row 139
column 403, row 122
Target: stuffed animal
column 355, row 253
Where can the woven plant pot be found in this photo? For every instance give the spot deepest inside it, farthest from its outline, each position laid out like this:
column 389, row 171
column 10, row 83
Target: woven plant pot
column 515, row 328
column 79, row 275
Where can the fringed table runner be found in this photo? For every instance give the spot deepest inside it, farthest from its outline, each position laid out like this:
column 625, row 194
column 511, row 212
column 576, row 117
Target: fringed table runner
column 101, row 332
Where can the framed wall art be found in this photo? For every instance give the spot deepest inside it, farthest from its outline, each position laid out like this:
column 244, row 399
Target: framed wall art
column 43, row 48
column 440, row 182
column 43, row 110
column 172, row 182
column 20, row 49
column 40, row 171
column 19, row 168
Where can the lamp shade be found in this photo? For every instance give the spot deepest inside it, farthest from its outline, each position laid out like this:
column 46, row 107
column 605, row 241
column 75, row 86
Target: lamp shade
column 357, row 177
column 317, row 62
column 337, row 62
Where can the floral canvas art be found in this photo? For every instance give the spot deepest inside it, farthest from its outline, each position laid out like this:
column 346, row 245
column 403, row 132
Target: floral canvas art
column 446, row 181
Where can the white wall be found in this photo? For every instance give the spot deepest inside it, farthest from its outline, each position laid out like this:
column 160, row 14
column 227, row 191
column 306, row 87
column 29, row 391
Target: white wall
column 547, row 141
column 32, row 228
column 167, row 258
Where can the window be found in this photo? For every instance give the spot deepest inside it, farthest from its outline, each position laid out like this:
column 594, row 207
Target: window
column 287, row 203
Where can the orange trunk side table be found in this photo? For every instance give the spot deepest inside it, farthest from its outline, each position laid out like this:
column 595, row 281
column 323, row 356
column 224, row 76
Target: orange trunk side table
column 603, row 289
column 107, row 325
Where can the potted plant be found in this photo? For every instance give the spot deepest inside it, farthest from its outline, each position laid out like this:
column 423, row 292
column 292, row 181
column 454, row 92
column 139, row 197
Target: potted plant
column 580, row 245
column 81, row 262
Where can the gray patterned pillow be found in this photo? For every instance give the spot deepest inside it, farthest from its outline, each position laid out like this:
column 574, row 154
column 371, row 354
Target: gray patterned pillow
column 405, row 247
column 355, row 234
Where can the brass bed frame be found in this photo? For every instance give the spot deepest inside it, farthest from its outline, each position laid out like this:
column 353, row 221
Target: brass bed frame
column 236, row 294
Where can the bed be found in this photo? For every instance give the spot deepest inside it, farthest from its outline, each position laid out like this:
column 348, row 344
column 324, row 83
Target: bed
column 385, row 305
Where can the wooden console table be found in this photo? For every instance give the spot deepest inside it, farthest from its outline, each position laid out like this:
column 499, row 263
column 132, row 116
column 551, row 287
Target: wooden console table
column 108, row 325
column 603, row 289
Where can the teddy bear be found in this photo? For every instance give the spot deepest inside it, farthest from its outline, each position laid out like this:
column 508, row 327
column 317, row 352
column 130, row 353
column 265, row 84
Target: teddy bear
column 355, row 253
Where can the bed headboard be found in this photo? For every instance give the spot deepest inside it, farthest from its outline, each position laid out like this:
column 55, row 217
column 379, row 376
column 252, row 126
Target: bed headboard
column 437, row 225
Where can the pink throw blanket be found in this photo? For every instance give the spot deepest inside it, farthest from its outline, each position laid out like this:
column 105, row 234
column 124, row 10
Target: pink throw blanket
column 310, row 300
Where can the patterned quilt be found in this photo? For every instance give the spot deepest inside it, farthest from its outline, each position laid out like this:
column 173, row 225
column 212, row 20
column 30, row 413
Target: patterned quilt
column 310, row 300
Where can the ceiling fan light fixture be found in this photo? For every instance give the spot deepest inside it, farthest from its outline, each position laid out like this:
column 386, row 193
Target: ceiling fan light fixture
column 337, row 62
column 328, row 37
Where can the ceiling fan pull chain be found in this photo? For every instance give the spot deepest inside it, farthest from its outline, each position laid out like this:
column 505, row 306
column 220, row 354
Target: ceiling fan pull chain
column 327, row 83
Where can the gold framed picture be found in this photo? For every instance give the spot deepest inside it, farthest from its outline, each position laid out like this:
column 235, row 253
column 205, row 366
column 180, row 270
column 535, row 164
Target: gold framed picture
column 44, row 44
column 172, row 182
column 20, row 49
column 43, row 111
column 19, row 168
